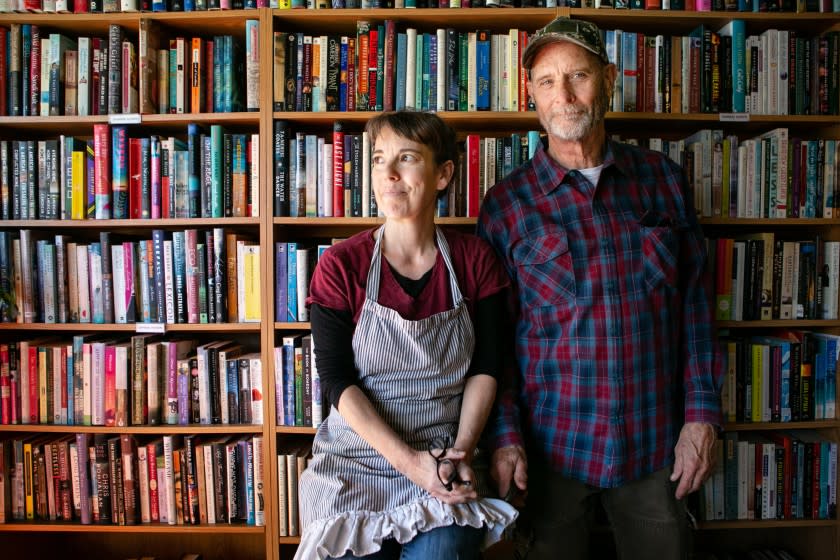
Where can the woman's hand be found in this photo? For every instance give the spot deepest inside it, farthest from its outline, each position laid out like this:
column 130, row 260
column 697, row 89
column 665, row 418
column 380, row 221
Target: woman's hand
column 430, row 474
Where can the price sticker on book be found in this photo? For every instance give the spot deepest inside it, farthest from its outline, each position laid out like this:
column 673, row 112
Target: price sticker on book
column 734, row 117
column 158, row 328
column 127, row 118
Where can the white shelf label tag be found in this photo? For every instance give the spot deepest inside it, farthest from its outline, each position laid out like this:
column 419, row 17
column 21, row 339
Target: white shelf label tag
column 734, row 117
column 150, row 328
column 127, row 118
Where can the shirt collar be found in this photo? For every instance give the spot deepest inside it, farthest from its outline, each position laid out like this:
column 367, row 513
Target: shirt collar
column 550, row 174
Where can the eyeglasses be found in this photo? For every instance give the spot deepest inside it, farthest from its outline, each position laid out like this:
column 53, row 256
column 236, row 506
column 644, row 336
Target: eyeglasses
column 447, row 472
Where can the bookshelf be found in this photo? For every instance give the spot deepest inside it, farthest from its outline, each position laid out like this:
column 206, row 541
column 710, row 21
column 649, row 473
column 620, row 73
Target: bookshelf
column 810, row 539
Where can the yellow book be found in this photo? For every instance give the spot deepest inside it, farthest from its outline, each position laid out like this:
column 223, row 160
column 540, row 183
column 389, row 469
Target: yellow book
column 78, row 187
column 251, row 285
column 28, row 486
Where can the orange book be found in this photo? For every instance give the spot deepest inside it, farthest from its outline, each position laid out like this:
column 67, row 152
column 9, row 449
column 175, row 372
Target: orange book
column 197, row 84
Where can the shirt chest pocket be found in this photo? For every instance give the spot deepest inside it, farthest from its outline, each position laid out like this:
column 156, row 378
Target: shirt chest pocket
column 545, row 270
column 660, row 247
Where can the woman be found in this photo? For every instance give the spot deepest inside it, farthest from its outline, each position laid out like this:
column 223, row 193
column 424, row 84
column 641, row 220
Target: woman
column 405, row 321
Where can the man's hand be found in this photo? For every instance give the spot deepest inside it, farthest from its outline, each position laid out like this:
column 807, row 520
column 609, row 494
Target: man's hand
column 509, row 464
column 693, row 454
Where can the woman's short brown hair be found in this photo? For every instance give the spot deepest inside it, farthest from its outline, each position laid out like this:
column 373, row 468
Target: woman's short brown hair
column 421, row 127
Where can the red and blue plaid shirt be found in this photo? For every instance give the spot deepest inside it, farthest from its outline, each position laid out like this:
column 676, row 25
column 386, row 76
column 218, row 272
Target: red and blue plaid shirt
column 613, row 330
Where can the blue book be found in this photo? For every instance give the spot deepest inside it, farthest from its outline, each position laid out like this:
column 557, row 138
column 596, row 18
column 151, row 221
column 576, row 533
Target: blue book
column 482, row 69
column 289, row 343
column 119, row 171
column 628, row 70
column 736, row 29
column 280, row 280
column 189, row 5
column 342, row 85
column 96, row 293
column 248, row 467
column 232, row 397
column 402, row 50
column 291, row 282
column 533, row 142
column 194, row 173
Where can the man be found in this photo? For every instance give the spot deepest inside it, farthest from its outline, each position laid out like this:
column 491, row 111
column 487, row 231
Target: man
column 618, row 396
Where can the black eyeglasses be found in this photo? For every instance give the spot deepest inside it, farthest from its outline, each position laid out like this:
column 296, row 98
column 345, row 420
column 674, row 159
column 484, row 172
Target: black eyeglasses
column 447, row 472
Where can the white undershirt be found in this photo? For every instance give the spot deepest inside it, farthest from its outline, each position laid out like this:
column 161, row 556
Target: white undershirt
column 592, row 174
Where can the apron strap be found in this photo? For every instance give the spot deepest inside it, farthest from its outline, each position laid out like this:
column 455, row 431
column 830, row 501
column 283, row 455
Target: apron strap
column 375, row 270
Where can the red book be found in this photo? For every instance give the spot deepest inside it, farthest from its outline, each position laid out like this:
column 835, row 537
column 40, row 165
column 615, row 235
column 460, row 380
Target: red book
column 3, row 70
column 338, row 170
column 135, row 186
column 390, row 68
column 32, row 5
column 472, row 163
column 5, row 386
column 102, row 170
column 208, row 75
column 80, row 7
column 373, row 47
column 523, row 74
column 151, row 460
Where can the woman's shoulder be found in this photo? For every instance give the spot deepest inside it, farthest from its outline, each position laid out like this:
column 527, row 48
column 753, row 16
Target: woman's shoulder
column 351, row 248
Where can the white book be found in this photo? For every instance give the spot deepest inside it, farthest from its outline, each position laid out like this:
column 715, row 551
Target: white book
column 169, row 281
column 180, row 75
column 472, row 83
column 83, row 80
column 441, row 91
column 322, row 73
column 282, row 495
column 61, row 6
column 255, row 175
column 327, row 173
column 782, row 79
column 786, row 285
column 163, row 496
column 204, row 398
column 168, row 481
column 259, row 481
column 210, row 492
column 495, row 72
column 119, row 283
column 128, row 5
column 122, row 355
column 82, row 269
column 831, row 257
column 45, row 78
column 302, row 282
column 410, row 67
column 58, row 413
column 257, row 400
column 143, row 483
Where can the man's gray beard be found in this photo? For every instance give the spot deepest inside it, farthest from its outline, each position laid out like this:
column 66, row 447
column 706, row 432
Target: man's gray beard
column 578, row 130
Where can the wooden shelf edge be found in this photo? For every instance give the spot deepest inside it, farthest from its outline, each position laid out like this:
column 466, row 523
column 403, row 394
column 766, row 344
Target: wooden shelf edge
column 774, row 426
column 777, row 323
column 766, row 524
column 134, row 224
column 42, row 527
column 293, row 430
column 145, row 430
column 131, row 327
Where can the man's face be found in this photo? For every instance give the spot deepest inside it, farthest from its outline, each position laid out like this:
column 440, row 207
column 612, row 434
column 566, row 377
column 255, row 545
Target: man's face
column 571, row 89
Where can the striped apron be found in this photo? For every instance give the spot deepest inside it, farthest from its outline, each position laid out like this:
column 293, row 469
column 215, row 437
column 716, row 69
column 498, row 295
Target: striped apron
column 414, row 372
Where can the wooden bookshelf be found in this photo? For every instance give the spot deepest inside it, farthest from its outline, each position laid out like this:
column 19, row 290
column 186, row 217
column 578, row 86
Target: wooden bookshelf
column 812, row 539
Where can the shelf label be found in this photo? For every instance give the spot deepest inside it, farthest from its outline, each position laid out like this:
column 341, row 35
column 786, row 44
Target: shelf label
column 150, row 328
column 127, row 118
column 734, row 117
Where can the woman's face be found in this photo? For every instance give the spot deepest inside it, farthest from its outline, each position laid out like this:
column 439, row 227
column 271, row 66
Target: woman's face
column 405, row 177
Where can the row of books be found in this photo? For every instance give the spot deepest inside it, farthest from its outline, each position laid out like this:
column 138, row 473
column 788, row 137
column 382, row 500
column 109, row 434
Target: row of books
column 381, row 68
column 323, row 176
column 760, row 277
column 109, row 6
column 297, row 385
column 47, row 74
column 213, row 174
column 113, row 6
column 127, row 480
column 773, row 175
column 294, row 263
column 772, row 475
column 776, row 72
column 789, row 376
column 190, row 276
column 292, row 459
column 105, row 380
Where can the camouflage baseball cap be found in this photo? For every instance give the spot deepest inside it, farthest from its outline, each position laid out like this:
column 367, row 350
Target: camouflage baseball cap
column 581, row 33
